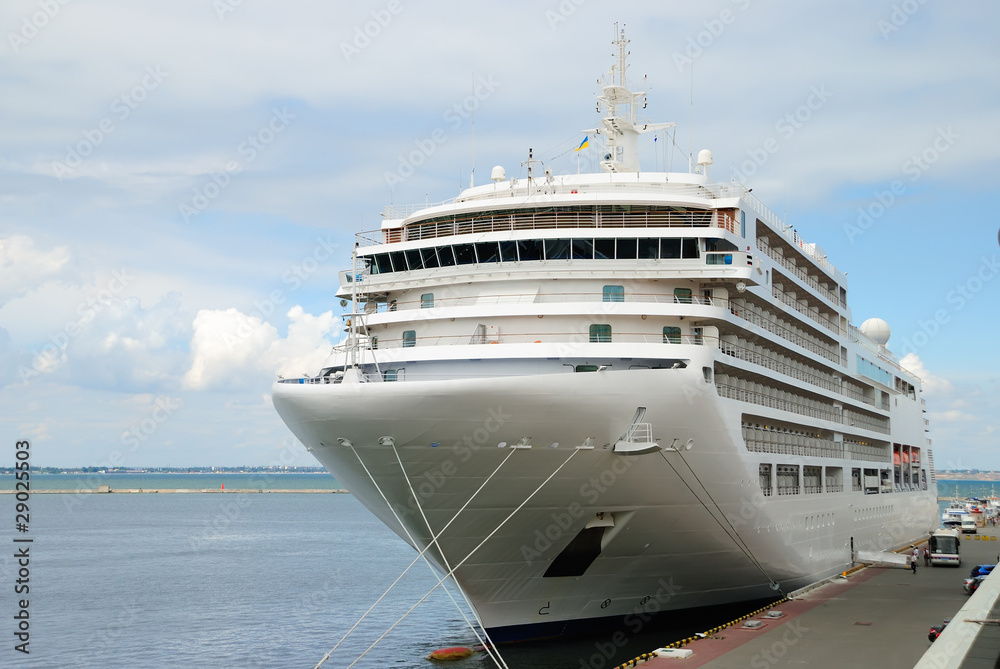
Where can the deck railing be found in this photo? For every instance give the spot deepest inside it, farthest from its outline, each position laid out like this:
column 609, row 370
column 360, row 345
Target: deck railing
column 474, row 224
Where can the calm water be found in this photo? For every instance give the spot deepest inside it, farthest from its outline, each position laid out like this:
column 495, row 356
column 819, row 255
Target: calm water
column 233, row 581
column 241, row 581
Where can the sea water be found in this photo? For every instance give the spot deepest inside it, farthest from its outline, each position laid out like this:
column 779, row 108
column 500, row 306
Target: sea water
column 233, row 580
column 241, row 580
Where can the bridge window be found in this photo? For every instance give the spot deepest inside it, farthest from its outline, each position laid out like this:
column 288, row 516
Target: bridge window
column 529, row 249
column 649, row 249
column 604, row 249
column 627, row 249
column 670, row 249
column 446, row 255
column 689, row 248
column 508, row 251
column 413, row 259
column 398, row 261
column 488, row 252
column 557, row 249
column 465, row 254
column 429, row 257
column 583, row 249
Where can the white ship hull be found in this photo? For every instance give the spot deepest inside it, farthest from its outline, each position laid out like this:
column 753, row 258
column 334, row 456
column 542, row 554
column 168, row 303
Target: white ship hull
column 680, row 517
column 614, row 394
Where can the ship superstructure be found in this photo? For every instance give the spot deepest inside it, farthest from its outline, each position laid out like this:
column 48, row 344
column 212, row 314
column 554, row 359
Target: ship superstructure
column 596, row 394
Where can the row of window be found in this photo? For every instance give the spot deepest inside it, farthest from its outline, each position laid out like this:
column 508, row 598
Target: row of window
column 600, row 333
column 527, row 250
column 608, row 294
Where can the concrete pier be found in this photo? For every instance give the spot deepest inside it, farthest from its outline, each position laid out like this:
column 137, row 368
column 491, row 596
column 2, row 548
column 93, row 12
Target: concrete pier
column 877, row 617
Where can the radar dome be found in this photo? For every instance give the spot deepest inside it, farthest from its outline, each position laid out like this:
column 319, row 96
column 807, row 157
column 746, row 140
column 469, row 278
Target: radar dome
column 877, row 329
column 498, row 173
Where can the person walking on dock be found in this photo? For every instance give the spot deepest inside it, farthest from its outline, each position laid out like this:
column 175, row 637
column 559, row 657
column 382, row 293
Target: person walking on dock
column 914, row 558
column 927, row 556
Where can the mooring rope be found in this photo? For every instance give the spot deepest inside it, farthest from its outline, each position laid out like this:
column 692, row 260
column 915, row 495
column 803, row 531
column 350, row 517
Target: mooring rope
column 731, row 531
column 466, row 558
column 488, row 644
column 419, row 554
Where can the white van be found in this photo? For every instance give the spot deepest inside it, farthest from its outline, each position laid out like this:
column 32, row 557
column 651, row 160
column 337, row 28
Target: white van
column 968, row 525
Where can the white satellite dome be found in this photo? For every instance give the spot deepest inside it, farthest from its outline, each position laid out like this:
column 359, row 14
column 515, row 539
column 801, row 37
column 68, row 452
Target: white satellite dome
column 877, row 329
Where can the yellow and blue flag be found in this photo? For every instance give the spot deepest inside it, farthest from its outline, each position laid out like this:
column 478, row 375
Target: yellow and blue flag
column 584, row 144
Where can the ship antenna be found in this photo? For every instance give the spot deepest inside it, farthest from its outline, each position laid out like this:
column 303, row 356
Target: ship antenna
column 691, row 124
column 472, row 177
column 530, row 162
column 618, row 105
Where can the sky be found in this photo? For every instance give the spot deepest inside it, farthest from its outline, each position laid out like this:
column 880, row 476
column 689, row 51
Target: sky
column 181, row 182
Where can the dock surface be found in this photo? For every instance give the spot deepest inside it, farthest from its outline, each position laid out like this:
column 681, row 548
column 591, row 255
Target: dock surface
column 878, row 617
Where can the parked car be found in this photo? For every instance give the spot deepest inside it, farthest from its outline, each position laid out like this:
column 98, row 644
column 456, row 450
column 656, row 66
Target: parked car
column 981, row 570
column 972, row 584
column 937, row 629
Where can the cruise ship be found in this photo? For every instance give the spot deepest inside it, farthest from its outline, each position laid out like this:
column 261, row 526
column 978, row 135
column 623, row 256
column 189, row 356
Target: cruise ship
column 593, row 397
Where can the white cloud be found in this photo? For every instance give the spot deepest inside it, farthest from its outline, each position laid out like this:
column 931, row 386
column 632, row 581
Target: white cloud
column 130, row 347
column 932, row 384
column 230, row 349
column 23, row 266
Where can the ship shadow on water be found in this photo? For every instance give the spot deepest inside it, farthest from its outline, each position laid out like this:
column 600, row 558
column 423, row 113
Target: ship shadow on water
column 598, row 645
